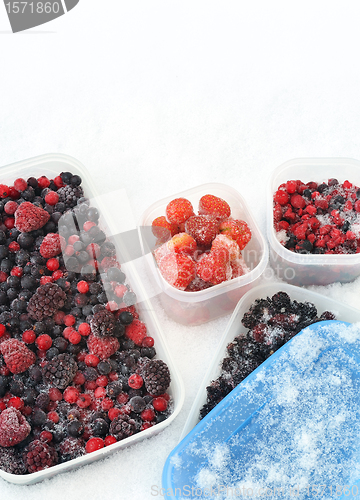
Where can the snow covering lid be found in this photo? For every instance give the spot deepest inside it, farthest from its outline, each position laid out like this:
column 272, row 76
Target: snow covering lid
column 291, row 426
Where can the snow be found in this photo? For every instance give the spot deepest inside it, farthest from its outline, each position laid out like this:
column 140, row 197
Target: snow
column 157, row 97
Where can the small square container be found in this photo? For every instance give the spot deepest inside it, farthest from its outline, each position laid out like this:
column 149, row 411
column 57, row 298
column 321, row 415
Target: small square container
column 193, row 308
column 51, row 165
column 235, row 328
column 311, row 269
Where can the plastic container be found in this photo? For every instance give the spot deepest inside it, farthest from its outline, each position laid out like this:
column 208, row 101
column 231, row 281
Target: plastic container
column 191, row 308
column 51, row 165
column 311, row 269
column 235, row 328
column 290, row 426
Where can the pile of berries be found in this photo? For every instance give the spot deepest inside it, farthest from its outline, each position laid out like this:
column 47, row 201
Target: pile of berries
column 195, row 252
column 318, row 218
column 77, row 365
column 271, row 322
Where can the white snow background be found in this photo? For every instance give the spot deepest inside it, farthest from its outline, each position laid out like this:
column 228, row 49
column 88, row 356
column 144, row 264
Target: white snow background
column 159, row 96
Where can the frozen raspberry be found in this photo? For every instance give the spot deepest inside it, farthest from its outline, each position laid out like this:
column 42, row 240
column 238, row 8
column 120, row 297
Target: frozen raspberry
column 214, row 267
column 14, row 427
column 102, row 347
column 60, row 371
column 18, row 358
column 238, row 230
column 103, row 323
column 29, row 217
column 46, row 301
column 39, row 455
column 136, row 331
column 51, row 245
column 202, row 228
column 122, row 427
column 281, row 197
column 214, row 206
column 156, row 376
column 162, row 229
column 179, row 210
column 177, row 269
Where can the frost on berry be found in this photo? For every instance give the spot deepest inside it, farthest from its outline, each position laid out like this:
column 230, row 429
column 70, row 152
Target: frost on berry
column 29, row 217
column 14, row 427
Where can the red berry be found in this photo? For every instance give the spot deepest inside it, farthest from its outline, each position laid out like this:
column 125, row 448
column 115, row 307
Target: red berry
column 148, row 414
column 74, row 337
column 67, row 331
column 100, row 392
column 17, row 271
column 51, row 198
column 347, row 185
column 90, row 385
column 79, row 378
column 91, row 360
column 14, row 193
column 14, row 247
column 4, row 191
column 56, row 275
column 51, row 245
column 52, row 264
column 177, row 269
column 181, row 242
column 147, row 342
column 69, row 320
column 120, row 290
column 44, row 342
column 84, row 400
column 179, row 210
column 16, row 402
column 135, row 381
column 10, row 207
column 53, row 416
column 55, row 394
column 214, row 267
column 159, row 404
column 3, row 276
column 214, row 206
column 20, row 184
column 9, row 222
column 202, row 229
column 238, row 230
column 357, row 205
column 281, row 197
column 162, row 229
column 106, row 404
column 297, row 201
column 102, row 381
column 113, row 413
column 84, row 329
column 2, row 330
column 46, row 436
column 71, row 394
column 110, row 439
column 73, row 238
column 88, row 225
column 136, row 331
column 59, row 317
column 122, row 398
column 83, row 286
column 146, row 425
column 94, row 444
column 43, row 182
column 58, row 182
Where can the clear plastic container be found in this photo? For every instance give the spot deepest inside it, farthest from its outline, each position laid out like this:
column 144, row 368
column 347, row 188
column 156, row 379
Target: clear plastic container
column 192, row 308
column 51, row 165
column 311, row 269
column 235, row 328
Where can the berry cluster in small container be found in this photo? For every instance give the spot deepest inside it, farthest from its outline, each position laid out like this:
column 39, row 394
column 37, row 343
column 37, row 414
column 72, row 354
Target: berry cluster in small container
column 319, row 218
column 78, row 366
column 201, row 250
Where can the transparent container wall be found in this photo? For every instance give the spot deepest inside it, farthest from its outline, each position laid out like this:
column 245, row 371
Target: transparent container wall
column 52, row 165
column 192, row 308
column 311, row 269
column 235, row 328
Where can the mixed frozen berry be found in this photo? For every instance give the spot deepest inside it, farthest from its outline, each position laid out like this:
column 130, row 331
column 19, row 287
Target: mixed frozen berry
column 77, row 364
column 195, row 252
column 270, row 322
column 318, row 218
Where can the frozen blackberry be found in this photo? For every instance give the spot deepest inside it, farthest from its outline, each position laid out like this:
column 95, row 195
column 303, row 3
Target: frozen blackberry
column 60, row 371
column 281, row 300
column 46, row 301
column 102, row 323
column 327, row 315
column 69, row 195
column 39, row 455
column 156, row 377
column 11, row 461
column 122, row 427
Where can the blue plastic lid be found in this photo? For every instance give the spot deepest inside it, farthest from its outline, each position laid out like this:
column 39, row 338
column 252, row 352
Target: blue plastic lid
column 290, row 429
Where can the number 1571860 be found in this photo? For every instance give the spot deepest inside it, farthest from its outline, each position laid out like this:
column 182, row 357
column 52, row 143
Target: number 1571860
column 33, row 7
